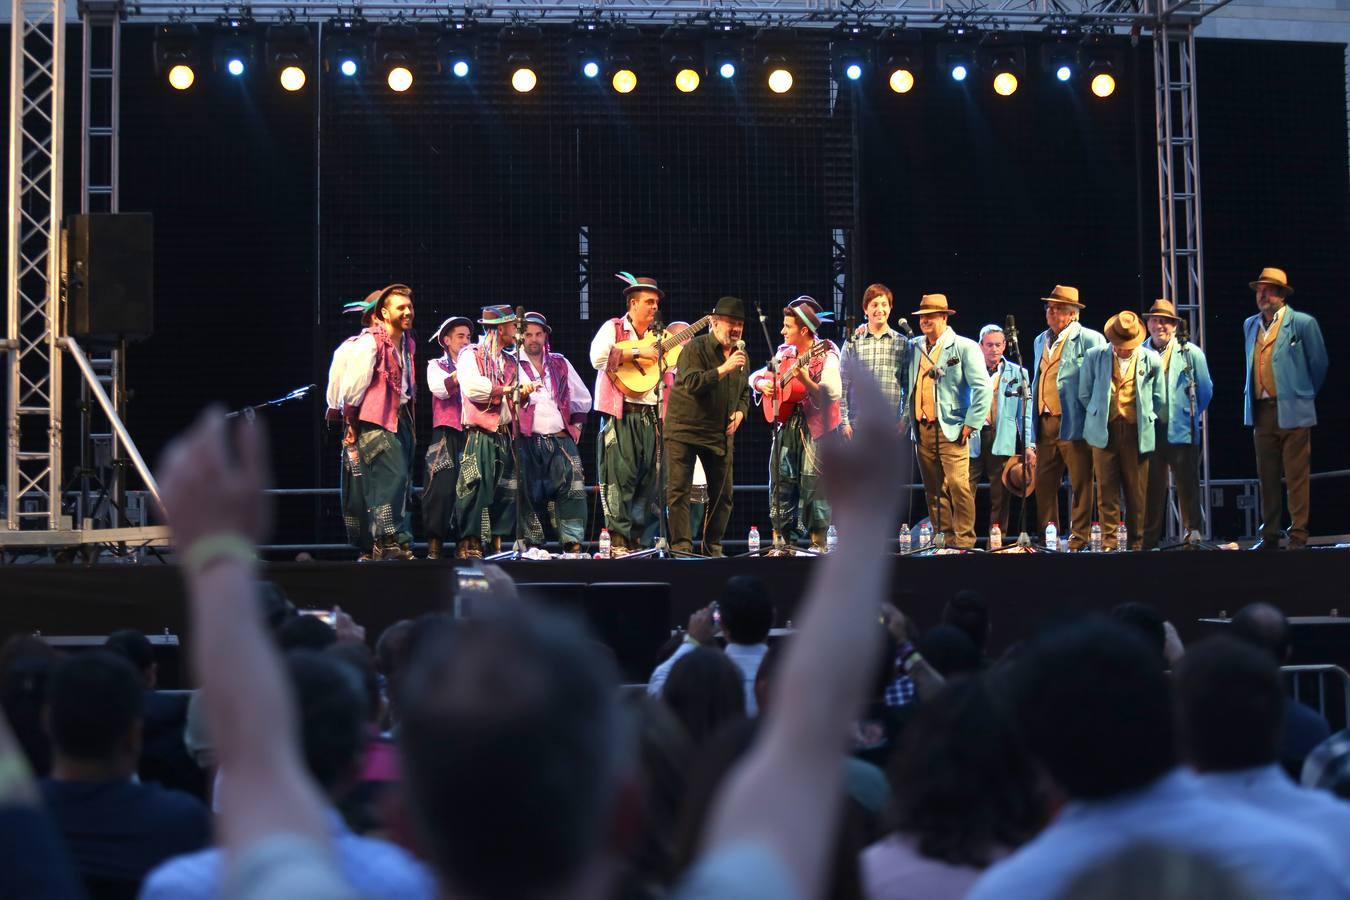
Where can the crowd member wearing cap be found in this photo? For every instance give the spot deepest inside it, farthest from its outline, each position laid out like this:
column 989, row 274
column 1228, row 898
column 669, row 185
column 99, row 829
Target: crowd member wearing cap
column 351, row 487
column 378, row 394
column 996, row 441
column 1177, row 431
column 797, row 502
column 550, row 426
column 630, row 482
column 1286, row 365
column 1057, row 359
column 881, row 349
column 707, row 405
column 486, row 493
column 1122, row 388
column 949, row 400
column 447, row 436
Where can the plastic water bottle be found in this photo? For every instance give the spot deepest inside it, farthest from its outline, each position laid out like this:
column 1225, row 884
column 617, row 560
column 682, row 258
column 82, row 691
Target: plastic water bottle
column 831, row 539
column 925, row 536
column 752, row 542
column 1095, row 538
column 906, row 540
column 604, row 543
column 1122, row 538
column 995, row 537
column 1051, row 537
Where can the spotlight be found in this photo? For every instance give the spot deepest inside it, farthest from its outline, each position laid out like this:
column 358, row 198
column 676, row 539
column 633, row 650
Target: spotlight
column 902, row 50
column 725, row 50
column 400, row 78
column 457, row 47
column 727, row 70
column 590, row 68
column 902, row 81
column 519, row 46
column 523, row 79
column 959, row 72
column 624, row 81
column 176, row 54
column 780, row 79
column 959, row 53
column 346, row 45
column 1064, row 73
column 686, row 81
column 290, row 54
column 1103, row 84
column 774, row 49
column 235, row 66
column 586, row 47
column 396, row 50
column 624, row 45
column 851, row 52
column 1059, row 51
column 853, row 72
column 1003, row 53
column 1005, row 84
column 1102, row 59
column 681, row 46
column 460, row 68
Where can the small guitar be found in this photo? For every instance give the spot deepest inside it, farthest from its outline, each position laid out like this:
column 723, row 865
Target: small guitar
column 636, row 378
column 788, row 389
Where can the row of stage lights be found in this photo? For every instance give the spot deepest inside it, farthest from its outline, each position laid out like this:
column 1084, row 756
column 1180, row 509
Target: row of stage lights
column 596, row 47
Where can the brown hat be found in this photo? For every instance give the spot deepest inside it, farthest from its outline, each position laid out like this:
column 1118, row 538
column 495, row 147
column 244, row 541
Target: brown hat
column 1275, row 277
column 634, row 283
column 1164, row 309
column 1125, row 330
column 1016, row 479
column 1064, row 294
column 933, row 303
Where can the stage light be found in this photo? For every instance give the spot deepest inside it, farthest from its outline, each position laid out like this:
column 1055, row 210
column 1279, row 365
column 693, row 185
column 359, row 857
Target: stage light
column 400, row 79
column 625, row 44
column 590, row 68
column 682, row 56
column 727, row 70
column 1005, row 84
column 524, row 80
column 1064, row 73
column 396, row 53
column 686, row 81
column 959, row 72
column 776, row 52
column 725, row 51
column 780, row 81
column 292, row 78
column 902, row 81
column 851, row 51
column 902, row 50
column 457, row 47
column 1101, row 58
column 520, row 48
column 290, row 54
column 181, row 77
column 1003, row 54
column 234, row 45
column 624, row 81
column 346, row 45
column 176, row 56
column 460, row 69
column 1103, row 84
column 853, row 72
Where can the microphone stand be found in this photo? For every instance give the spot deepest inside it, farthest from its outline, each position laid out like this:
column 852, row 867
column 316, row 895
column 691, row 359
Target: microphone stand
column 248, row 411
column 1024, row 543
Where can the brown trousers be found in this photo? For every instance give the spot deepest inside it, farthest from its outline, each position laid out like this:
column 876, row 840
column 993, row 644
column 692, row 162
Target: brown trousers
column 1053, row 456
column 1121, row 468
column 1184, row 462
column 1283, row 452
column 948, row 465
column 987, row 465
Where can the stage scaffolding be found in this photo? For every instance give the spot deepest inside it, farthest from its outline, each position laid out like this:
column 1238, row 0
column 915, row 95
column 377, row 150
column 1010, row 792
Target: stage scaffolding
column 35, row 324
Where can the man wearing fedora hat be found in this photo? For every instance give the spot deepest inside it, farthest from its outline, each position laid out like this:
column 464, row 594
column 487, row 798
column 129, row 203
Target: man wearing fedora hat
column 1185, row 372
column 379, row 390
column 1057, row 359
column 1121, row 387
column 447, row 436
column 1286, row 366
column 997, row 439
column 949, row 398
column 707, row 405
column 630, row 479
column 550, row 426
column 797, row 502
column 486, row 492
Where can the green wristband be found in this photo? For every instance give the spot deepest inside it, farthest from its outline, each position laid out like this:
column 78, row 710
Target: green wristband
column 213, row 548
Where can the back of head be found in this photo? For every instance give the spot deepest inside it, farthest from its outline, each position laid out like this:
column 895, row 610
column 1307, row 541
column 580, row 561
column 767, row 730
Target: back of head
column 391, row 650
column 1096, row 708
column 969, row 612
column 25, row 664
column 1230, row 705
column 332, row 707
column 306, row 633
column 134, row 647
column 950, row 650
column 513, row 748
column 1264, row 625
column 94, row 701
column 1146, row 619
column 747, row 611
column 362, row 662
column 964, row 783
column 705, row 690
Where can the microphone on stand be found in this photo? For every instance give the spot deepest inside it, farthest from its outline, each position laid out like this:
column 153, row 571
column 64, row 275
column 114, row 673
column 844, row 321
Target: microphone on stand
column 904, row 326
column 1011, row 327
column 851, row 324
column 1183, row 333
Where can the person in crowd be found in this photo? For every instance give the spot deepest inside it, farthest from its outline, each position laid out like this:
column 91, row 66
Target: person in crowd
column 117, row 828
column 1095, row 706
column 966, row 795
column 950, row 651
column 746, row 619
column 1231, row 715
column 705, row 693
column 665, row 755
column 363, row 804
column 25, row 664
column 37, row 863
column 332, row 707
column 1157, row 873
column 915, row 677
column 391, row 659
column 968, row 610
column 1266, row 626
column 1145, row 619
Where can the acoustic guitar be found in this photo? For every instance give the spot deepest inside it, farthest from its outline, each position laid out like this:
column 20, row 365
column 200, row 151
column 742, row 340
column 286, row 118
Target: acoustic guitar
column 788, row 389
column 636, row 378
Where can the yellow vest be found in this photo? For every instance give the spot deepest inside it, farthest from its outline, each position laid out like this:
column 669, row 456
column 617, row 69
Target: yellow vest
column 1263, row 360
column 1049, row 393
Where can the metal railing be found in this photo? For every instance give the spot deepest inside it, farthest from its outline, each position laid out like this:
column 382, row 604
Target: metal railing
column 1324, row 687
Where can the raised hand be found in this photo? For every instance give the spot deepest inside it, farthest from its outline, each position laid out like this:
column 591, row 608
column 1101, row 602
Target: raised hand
column 860, row 474
column 211, row 484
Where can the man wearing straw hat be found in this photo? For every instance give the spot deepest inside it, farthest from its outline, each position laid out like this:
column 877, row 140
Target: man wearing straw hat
column 948, row 400
column 797, row 503
column 447, row 436
column 487, row 491
column 1057, row 358
column 1286, row 366
column 630, row 479
column 550, row 426
column 1187, row 389
column 378, row 393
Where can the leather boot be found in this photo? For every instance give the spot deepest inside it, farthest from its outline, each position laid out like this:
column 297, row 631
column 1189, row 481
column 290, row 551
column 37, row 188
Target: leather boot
column 496, row 543
column 818, row 541
column 469, row 548
column 433, row 548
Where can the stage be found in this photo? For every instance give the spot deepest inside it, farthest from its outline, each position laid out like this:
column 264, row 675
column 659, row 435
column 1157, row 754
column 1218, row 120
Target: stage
column 1023, row 590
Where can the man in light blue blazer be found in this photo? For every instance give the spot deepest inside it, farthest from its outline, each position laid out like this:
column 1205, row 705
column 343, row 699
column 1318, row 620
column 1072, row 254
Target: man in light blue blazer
column 997, row 440
column 1187, row 389
column 1056, row 362
column 947, row 401
column 1121, row 387
column 1286, row 366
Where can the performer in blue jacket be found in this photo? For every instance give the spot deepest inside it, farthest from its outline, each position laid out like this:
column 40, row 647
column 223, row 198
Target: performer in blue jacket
column 993, row 444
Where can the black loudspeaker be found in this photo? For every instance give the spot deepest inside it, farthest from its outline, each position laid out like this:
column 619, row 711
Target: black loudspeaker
column 110, row 263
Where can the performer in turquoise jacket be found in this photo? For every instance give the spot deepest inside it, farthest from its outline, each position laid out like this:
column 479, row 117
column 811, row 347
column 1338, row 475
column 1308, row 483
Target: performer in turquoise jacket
column 997, row 439
column 1286, row 366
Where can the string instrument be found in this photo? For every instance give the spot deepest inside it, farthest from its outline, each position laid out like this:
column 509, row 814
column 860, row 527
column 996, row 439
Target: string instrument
column 789, row 391
column 636, row 378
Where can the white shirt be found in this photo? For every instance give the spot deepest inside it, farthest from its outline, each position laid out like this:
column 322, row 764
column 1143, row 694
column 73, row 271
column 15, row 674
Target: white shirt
column 360, row 369
column 747, row 658
column 438, row 379
column 1123, row 365
column 603, row 343
column 337, row 371
column 548, row 419
column 475, row 386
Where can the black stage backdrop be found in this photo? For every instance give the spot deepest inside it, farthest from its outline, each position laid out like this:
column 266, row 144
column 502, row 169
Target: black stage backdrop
column 475, row 195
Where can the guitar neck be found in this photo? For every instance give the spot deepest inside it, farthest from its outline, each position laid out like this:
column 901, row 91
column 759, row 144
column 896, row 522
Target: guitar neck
column 683, row 334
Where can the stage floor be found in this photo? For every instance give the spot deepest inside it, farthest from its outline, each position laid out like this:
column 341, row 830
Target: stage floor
column 1023, row 590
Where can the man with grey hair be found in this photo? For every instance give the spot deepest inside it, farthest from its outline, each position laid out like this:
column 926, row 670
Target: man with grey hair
column 1009, row 420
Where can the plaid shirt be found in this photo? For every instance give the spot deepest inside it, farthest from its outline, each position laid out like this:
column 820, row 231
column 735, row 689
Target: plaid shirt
column 883, row 354
column 901, row 692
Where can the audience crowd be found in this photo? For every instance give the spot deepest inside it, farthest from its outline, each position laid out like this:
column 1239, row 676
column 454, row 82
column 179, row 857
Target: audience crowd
column 497, row 757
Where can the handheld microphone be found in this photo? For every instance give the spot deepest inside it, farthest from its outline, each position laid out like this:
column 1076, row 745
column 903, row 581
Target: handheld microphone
column 904, row 326
column 740, row 348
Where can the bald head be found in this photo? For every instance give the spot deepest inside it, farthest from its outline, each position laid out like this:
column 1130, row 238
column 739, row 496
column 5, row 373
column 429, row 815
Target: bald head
column 1264, row 625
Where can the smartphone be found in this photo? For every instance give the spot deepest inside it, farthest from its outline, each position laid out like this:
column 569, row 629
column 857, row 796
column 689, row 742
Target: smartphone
column 717, row 615
column 470, row 582
column 326, row 616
